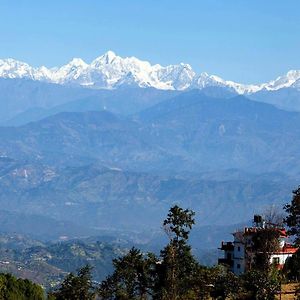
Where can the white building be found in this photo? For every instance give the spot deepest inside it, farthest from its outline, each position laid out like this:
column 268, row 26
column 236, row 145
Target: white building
column 239, row 255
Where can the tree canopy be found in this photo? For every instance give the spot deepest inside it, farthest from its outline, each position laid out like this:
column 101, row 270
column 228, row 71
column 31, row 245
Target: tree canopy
column 293, row 216
column 76, row 287
column 12, row 288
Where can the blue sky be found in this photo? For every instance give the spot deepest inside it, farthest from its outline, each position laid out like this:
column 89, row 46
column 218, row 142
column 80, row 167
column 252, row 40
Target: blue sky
column 241, row 40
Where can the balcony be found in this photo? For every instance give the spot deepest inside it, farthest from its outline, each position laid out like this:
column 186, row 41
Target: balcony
column 225, row 261
column 227, row 246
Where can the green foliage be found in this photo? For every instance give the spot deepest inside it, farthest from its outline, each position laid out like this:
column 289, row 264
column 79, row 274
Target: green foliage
column 201, row 283
column 226, row 284
column 132, row 278
column 262, row 285
column 176, row 273
column 179, row 222
column 76, row 287
column 293, row 218
column 291, row 268
column 12, row 288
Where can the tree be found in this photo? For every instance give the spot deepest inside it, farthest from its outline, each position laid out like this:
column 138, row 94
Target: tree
column 178, row 267
column 262, row 285
column 174, row 275
column 291, row 271
column 132, row 277
column 76, row 287
column 179, row 223
column 293, row 218
column 226, row 284
column 291, row 267
column 202, row 283
column 12, row 288
column 274, row 216
column 265, row 242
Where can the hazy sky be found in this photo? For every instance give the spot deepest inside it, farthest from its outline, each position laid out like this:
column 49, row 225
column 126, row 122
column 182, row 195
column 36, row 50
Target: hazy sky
column 241, row 40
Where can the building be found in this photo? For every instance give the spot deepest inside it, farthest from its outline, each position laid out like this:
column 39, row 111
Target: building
column 239, row 254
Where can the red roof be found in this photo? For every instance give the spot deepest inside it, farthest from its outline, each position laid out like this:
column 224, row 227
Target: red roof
column 283, row 232
column 287, row 249
column 251, row 230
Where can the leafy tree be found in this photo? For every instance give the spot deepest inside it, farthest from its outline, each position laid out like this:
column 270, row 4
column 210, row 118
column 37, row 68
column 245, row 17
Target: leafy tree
column 175, row 275
column 179, row 223
column 202, row 283
column 76, row 287
column 293, row 218
column 226, row 284
column 178, row 268
column 291, row 267
column 176, row 271
column 132, row 278
column 265, row 241
column 262, row 285
column 12, row 288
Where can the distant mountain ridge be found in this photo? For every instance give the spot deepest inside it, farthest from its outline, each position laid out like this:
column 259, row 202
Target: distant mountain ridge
column 33, row 100
column 49, row 201
column 225, row 158
column 189, row 132
column 111, row 71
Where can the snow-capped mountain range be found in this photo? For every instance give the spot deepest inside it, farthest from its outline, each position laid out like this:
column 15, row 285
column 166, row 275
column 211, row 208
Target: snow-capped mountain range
column 111, row 71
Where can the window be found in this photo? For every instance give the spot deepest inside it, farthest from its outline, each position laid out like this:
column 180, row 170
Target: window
column 276, row 260
column 239, row 248
column 228, row 256
column 238, row 266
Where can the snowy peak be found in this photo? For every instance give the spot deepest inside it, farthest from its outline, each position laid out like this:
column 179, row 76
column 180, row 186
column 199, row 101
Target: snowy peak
column 105, row 59
column 77, row 62
column 110, row 71
column 205, row 80
column 10, row 68
column 291, row 79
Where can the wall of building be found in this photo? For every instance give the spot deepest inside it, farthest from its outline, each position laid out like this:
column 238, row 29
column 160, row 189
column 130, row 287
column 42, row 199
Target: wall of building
column 239, row 258
column 280, row 258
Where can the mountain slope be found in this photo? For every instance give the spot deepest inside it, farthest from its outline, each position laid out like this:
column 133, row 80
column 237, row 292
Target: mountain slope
column 23, row 100
column 225, row 133
column 112, row 140
column 284, row 98
column 49, row 263
column 101, row 170
column 190, row 132
column 120, row 101
column 19, row 95
column 95, row 198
